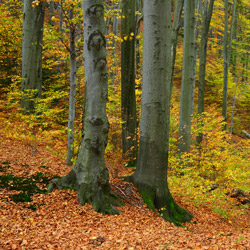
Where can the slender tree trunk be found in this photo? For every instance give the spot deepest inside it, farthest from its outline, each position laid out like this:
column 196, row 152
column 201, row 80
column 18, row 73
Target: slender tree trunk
column 150, row 176
column 206, row 19
column 31, row 84
column 226, row 55
column 232, row 116
column 90, row 176
column 174, row 36
column 187, row 77
column 139, row 7
column 51, row 12
column 73, row 70
column 196, row 46
column 128, row 106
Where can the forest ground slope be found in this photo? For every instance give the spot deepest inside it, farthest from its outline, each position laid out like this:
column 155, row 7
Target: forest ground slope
column 59, row 222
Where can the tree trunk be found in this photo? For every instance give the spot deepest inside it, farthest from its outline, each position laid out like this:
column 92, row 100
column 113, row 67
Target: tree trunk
column 226, row 55
column 139, row 8
column 31, row 84
column 187, row 77
column 150, row 176
column 174, row 36
column 51, row 12
column 128, row 106
column 206, row 18
column 73, row 70
column 90, row 176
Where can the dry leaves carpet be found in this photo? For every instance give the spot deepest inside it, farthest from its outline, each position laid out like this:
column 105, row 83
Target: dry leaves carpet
column 59, row 222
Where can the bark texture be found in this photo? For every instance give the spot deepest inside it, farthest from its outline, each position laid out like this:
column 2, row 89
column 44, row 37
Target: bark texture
column 150, row 176
column 128, row 104
column 31, row 84
column 89, row 177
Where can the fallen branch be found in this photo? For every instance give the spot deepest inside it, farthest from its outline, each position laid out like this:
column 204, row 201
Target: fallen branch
column 245, row 133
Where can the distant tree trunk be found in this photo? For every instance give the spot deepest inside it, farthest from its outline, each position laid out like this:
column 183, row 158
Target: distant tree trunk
column 139, row 7
column 206, row 18
column 196, row 46
column 187, row 77
column 73, row 70
column 90, row 176
column 226, row 56
column 51, row 12
column 150, row 176
column 174, row 36
column 128, row 106
column 31, row 84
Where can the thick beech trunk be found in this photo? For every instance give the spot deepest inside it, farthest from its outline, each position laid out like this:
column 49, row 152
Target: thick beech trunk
column 150, row 176
column 31, row 84
column 90, row 176
column 128, row 104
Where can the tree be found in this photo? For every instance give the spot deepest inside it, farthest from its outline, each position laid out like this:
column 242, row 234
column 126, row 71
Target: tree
column 187, row 77
column 174, row 36
column 226, row 56
column 150, row 176
column 31, row 84
column 73, row 70
column 128, row 104
column 89, row 177
column 206, row 18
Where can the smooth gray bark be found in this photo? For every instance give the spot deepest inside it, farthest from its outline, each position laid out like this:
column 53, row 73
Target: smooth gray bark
column 90, row 176
column 226, row 56
column 128, row 101
column 150, row 176
column 206, row 19
column 73, row 70
column 187, row 77
column 31, row 83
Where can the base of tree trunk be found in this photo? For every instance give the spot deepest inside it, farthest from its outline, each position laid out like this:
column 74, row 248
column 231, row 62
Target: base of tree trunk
column 160, row 200
column 94, row 192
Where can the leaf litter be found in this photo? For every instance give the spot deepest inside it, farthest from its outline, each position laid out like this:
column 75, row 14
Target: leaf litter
column 59, row 222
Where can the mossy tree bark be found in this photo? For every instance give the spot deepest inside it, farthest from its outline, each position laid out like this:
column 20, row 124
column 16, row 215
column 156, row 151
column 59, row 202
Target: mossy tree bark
column 89, row 177
column 31, row 84
column 150, row 176
column 128, row 102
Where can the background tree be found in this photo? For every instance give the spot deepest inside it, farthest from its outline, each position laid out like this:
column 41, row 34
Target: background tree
column 90, row 176
column 226, row 56
column 73, row 70
column 31, row 84
column 188, row 75
column 150, row 176
column 174, row 36
column 128, row 104
column 206, row 12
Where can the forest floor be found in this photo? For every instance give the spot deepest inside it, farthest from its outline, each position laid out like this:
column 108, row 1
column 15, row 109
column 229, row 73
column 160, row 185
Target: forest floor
column 57, row 221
